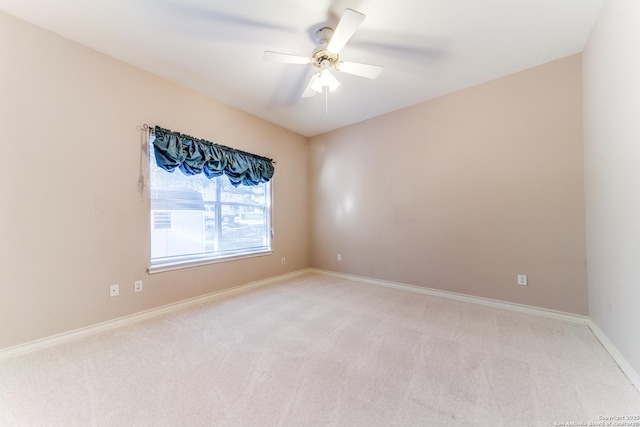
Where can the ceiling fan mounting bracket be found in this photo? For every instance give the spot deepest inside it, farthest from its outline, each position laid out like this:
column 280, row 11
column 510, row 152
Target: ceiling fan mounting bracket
column 323, row 35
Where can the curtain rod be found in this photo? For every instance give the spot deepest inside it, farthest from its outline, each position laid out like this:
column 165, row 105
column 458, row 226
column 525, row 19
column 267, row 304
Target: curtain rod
column 148, row 128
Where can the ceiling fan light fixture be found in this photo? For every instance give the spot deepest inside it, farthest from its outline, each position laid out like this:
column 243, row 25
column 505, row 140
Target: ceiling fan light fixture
column 324, row 78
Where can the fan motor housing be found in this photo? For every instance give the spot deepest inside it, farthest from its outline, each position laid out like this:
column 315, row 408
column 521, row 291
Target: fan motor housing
column 321, row 55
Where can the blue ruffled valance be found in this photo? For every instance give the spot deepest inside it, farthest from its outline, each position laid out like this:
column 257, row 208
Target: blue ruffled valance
column 193, row 156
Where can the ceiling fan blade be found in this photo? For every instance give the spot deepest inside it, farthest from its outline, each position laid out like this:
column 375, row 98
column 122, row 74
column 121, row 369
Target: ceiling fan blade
column 362, row 70
column 345, row 29
column 285, row 58
column 309, row 92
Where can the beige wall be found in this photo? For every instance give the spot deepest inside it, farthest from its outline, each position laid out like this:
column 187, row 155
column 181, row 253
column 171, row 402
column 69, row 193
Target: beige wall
column 611, row 66
column 462, row 193
column 73, row 219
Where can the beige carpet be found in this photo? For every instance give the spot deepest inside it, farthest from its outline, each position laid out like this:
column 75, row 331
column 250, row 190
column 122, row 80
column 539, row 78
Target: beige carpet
column 322, row 351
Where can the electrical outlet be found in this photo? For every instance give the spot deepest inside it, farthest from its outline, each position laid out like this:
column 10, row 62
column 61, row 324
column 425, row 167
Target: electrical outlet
column 522, row 280
column 137, row 286
column 283, row 261
column 114, row 290
column 339, row 257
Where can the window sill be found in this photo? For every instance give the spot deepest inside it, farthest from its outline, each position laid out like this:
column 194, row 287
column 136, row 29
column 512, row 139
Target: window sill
column 195, row 263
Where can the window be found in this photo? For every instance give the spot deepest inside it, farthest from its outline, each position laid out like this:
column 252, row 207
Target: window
column 161, row 220
column 197, row 220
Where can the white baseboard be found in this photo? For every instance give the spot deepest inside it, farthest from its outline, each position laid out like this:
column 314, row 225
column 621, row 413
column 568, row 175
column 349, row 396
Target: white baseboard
column 561, row 315
column 624, row 365
column 127, row 320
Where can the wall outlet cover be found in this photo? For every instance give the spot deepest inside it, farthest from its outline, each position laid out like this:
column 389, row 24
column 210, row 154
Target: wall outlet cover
column 114, row 290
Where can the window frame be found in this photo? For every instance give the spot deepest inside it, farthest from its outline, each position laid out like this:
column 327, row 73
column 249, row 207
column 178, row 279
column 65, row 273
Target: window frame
column 205, row 258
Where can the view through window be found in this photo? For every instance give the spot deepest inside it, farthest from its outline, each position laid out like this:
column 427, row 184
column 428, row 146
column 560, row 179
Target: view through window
column 195, row 218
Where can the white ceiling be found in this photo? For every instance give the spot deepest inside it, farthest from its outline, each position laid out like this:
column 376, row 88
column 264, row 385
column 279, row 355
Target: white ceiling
column 428, row 47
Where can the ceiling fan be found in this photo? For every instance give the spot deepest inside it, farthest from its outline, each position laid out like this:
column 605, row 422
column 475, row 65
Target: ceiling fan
column 326, row 56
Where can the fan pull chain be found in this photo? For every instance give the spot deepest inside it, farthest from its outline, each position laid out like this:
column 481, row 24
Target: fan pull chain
column 325, row 89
